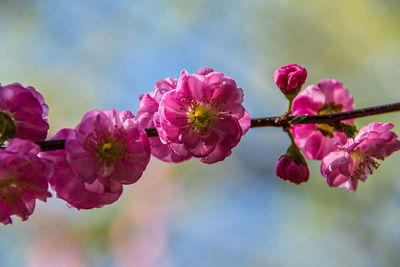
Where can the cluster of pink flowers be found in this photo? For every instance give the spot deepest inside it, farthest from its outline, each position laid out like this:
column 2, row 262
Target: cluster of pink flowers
column 23, row 175
column 345, row 159
column 196, row 115
column 199, row 115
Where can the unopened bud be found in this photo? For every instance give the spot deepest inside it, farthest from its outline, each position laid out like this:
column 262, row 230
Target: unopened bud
column 292, row 166
column 289, row 79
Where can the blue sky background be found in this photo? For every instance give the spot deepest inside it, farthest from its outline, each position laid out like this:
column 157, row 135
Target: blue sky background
column 85, row 55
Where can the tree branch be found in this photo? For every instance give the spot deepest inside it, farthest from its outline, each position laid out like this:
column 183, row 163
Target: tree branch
column 276, row 121
column 326, row 118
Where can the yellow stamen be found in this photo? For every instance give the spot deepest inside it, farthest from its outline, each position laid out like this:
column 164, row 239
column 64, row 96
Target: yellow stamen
column 201, row 117
column 110, row 149
column 7, row 127
column 107, row 147
column 330, row 108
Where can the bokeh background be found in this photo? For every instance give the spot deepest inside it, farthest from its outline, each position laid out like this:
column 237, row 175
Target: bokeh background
column 101, row 54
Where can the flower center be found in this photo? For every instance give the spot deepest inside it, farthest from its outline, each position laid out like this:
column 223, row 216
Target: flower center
column 326, row 129
column 12, row 190
column 201, row 117
column 110, row 149
column 330, row 108
column 7, row 127
column 364, row 164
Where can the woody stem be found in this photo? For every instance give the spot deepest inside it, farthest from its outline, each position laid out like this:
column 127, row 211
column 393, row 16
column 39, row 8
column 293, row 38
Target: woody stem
column 276, row 121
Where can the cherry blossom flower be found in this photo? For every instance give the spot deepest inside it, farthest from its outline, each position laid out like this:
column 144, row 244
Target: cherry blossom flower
column 148, row 116
column 72, row 188
column 328, row 96
column 290, row 78
column 22, row 113
column 23, row 179
column 108, row 146
column 148, row 110
column 205, row 114
column 358, row 157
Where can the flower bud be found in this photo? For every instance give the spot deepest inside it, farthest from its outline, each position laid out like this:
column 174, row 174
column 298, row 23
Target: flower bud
column 292, row 166
column 290, row 78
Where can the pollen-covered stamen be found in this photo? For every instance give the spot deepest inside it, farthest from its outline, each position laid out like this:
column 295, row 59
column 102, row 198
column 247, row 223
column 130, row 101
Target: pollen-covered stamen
column 330, row 108
column 7, row 127
column 12, row 190
column 110, row 149
column 201, row 117
column 365, row 163
column 326, row 129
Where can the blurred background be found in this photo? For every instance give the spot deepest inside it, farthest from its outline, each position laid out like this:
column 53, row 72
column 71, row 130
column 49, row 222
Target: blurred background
column 84, row 55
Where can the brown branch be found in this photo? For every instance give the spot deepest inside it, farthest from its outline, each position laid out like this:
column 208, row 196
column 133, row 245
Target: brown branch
column 276, row 121
column 51, row 144
column 327, row 118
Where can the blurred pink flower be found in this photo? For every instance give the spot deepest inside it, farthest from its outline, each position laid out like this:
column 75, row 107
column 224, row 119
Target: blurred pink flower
column 22, row 112
column 23, row 179
column 148, row 109
column 56, row 249
column 358, row 157
column 140, row 233
column 328, row 96
column 72, row 188
column 290, row 78
column 205, row 114
column 108, row 146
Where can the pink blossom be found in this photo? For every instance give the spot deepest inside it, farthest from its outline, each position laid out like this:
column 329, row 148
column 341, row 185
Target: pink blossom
column 72, row 188
column 358, row 157
column 23, row 179
column 22, row 112
column 108, row 147
column 205, row 114
column 290, row 78
column 328, row 96
column 290, row 170
column 146, row 114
